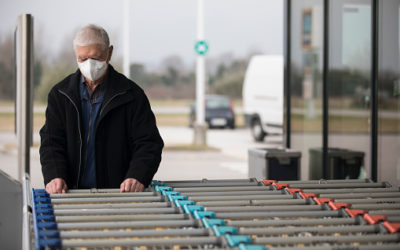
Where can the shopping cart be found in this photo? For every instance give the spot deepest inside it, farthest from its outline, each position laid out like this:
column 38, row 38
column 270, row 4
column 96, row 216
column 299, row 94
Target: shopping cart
column 221, row 214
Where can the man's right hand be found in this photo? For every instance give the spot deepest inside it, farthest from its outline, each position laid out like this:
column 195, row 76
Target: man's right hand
column 56, row 186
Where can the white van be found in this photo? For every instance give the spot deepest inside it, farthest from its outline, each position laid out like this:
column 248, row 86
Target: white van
column 263, row 95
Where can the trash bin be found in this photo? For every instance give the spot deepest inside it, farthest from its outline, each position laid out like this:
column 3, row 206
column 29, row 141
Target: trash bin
column 274, row 164
column 341, row 163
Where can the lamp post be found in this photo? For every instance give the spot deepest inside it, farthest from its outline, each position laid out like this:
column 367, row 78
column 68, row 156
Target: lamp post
column 126, row 45
column 201, row 47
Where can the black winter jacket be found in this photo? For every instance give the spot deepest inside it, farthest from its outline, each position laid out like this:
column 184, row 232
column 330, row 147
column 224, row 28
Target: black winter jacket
column 127, row 141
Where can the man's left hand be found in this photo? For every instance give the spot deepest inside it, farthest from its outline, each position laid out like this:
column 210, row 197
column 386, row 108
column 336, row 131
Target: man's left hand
column 131, row 185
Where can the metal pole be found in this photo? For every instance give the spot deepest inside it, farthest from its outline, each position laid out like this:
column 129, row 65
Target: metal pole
column 287, row 82
column 325, row 94
column 26, row 212
column 139, row 233
column 24, row 102
column 119, row 218
column 299, row 230
column 107, row 199
column 125, row 224
column 374, row 89
column 200, row 71
column 332, row 239
column 200, row 127
column 193, row 242
column 200, row 110
column 126, row 64
column 293, row 222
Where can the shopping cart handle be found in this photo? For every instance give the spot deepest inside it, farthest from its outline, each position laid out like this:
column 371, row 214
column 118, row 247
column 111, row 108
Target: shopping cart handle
column 211, row 222
column 355, row 212
column 164, row 192
column 49, row 234
column 223, row 230
column 180, row 203
column 392, row 227
column 203, row 214
column 45, row 218
column 47, row 225
column 176, row 197
column 189, row 209
column 44, row 211
column 50, row 243
column 235, row 240
column 162, row 188
column 374, row 218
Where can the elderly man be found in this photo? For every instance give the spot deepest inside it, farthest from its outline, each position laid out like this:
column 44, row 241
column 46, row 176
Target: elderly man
column 100, row 131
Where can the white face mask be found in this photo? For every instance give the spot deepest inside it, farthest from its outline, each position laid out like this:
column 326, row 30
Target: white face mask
column 92, row 69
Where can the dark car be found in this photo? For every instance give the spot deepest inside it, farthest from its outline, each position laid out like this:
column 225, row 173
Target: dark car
column 219, row 112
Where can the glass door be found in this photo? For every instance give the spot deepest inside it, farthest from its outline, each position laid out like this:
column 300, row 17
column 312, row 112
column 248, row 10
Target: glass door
column 389, row 92
column 348, row 86
column 306, row 81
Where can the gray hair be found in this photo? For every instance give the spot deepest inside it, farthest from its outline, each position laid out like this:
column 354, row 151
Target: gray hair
column 91, row 34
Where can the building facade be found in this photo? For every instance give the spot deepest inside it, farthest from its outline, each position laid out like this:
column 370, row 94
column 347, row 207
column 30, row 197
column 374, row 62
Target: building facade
column 342, row 86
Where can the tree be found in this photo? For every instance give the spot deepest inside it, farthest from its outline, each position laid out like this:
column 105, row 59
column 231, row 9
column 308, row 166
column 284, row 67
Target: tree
column 230, row 85
column 7, row 74
column 172, row 62
column 228, row 79
column 57, row 69
column 171, row 77
column 7, row 67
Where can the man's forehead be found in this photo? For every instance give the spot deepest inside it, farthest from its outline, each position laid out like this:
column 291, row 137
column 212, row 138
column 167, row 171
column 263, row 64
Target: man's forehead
column 92, row 49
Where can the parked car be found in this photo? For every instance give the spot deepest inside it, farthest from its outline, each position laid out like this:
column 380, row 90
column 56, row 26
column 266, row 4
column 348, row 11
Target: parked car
column 219, row 112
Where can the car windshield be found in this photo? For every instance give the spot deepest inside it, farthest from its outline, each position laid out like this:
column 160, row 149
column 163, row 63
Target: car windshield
column 217, row 103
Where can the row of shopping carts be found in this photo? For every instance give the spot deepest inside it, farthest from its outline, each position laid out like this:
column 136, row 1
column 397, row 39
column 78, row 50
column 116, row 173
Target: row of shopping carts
column 215, row 214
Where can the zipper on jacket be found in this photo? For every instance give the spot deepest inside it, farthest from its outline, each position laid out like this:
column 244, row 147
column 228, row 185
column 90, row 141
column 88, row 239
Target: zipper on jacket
column 101, row 111
column 87, row 139
column 80, row 136
column 105, row 105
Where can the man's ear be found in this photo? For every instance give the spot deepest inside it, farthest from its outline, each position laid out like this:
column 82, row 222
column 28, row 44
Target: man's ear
column 110, row 51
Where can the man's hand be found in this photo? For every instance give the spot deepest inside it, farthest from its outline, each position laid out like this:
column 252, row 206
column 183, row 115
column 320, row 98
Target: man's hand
column 56, row 186
column 131, row 185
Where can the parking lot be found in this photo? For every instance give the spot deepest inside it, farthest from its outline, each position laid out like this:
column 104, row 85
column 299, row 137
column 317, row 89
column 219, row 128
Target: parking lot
column 229, row 160
column 226, row 158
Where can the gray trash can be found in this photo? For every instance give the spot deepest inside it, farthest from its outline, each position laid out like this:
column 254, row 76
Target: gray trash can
column 342, row 163
column 274, row 164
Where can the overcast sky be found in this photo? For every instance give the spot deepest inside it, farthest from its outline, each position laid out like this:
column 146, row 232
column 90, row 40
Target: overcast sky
column 159, row 28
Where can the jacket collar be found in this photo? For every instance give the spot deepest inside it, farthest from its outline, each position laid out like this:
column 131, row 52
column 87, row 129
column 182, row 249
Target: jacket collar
column 114, row 85
column 116, row 88
column 71, row 88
